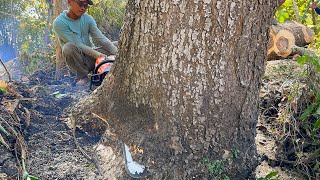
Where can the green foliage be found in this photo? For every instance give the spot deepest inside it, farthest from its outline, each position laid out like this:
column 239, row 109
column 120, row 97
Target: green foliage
column 234, row 154
column 109, row 10
column 34, row 24
column 31, row 62
column 217, row 168
column 313, row 60
column 109, row 14
column 2, row 129
column 28, row 26
column 2, row 90
column 25, row 174
column 311, row 115
column 302, row 114
column 317, row 166
column 26, row 23
column 271, row 176
column 286, row 12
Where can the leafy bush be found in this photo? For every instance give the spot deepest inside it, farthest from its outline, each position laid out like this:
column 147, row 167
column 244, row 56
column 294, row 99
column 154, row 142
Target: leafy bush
column 109, row 16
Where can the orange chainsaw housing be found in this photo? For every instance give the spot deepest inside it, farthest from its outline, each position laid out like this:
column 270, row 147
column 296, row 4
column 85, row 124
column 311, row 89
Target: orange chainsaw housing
column 102, row 68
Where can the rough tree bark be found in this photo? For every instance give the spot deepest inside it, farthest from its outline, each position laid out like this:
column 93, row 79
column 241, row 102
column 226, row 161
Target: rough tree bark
column 185, row 86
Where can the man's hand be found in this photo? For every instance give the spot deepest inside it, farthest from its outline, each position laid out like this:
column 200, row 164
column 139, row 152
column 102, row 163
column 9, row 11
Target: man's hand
column 100, row 58
column 102, row 55
column 314, row 5
column 112, row 57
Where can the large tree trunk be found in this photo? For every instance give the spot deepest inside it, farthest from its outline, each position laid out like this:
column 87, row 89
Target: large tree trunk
column 59, row 5
column 185, row 87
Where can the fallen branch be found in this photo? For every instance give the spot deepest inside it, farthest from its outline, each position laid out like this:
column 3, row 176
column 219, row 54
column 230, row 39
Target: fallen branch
column 73, row 126
column 27, row 99
column 11, row 105
column 28, row 116
column 15, row 117
column 303, row 51
column 10, row 128
column 2, row 141
column 2, row 129
column 102, row 119
column 5, row 68
column 20, row 99
column 312, row 158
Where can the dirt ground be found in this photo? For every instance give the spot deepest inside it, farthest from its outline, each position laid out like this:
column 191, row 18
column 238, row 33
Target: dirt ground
column 278, row 77
column 51, row 149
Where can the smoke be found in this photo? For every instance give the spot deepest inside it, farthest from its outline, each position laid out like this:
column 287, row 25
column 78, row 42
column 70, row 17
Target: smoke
column 7, row 51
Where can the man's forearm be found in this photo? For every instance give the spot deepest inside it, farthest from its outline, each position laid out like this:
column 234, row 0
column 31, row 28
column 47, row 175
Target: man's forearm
column 104, row 42
column 89, row 51
column 108, row 46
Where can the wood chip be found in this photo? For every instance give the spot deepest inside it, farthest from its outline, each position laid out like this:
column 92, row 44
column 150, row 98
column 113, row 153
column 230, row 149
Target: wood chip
column 28, row 116
column 4, row 142
column 10, row 105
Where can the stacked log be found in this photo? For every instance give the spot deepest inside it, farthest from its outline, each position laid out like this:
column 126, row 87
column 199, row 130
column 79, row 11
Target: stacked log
column 285, row 36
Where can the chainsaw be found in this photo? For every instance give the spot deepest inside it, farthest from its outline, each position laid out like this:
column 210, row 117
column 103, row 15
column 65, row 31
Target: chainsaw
column 102, row 67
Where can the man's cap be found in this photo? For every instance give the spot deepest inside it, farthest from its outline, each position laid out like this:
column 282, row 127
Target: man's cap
column 88, row 1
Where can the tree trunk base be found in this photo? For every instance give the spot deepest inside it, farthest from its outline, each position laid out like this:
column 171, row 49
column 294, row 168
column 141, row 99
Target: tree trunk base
column 109, row 162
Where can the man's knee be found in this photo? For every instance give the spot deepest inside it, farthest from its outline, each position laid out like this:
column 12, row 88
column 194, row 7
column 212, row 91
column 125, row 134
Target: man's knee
column 69, row 49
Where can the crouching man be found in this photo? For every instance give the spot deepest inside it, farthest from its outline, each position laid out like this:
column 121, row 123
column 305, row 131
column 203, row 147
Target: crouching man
column 73, row 28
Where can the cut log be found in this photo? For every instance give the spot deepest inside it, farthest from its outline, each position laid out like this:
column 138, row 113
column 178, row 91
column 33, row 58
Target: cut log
column 307, row 32
column 284, row 36
column 284, row 41
column 271, row 53
column 303, row 51
column 271, row 40
column 303, row 34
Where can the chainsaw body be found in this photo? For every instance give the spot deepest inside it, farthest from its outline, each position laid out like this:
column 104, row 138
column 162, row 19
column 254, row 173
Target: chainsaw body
column 102, row 68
